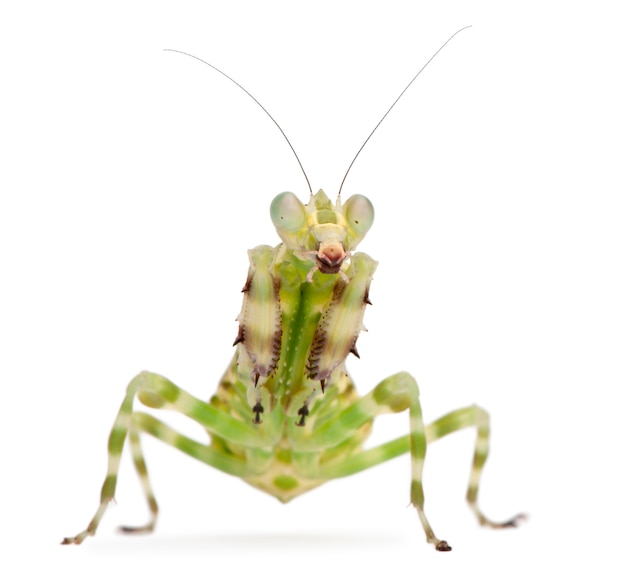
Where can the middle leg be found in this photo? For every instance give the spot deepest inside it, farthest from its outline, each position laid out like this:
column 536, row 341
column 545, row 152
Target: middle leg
column 394, row 394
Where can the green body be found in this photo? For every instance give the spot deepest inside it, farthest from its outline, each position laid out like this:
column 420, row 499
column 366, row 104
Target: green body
column 286, row 416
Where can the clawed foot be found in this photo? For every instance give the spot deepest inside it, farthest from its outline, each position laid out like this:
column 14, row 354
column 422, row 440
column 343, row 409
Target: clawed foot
column 515, row 521
column 78, row 539
column 303, row 412
column 443, row 546
column 511, row 523
column 136, row 529
column 75, row 539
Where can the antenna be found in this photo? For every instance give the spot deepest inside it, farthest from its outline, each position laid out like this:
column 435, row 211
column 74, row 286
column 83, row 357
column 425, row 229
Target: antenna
column 396, row 101
column 256, row 101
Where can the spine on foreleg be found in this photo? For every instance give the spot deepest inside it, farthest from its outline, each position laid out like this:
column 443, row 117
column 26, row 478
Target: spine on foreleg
column 342, row 321
column 260, row 325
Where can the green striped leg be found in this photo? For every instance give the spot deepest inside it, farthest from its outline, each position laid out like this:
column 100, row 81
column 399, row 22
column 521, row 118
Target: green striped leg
column 157, row 392
column 396, row 393
column 472, row 416
column 142, row 472
column 200, row 451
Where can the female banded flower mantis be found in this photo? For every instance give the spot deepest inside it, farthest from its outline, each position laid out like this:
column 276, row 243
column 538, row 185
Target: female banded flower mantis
column 286, row 416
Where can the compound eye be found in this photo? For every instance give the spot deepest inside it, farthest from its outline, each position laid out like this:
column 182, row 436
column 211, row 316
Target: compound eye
column 287, row 212
column 359, row 213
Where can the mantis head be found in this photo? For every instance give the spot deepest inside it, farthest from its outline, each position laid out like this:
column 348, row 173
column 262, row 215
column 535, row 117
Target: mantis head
column 321, row 231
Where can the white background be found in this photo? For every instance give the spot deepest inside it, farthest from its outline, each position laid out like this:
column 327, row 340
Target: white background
column 133, row 180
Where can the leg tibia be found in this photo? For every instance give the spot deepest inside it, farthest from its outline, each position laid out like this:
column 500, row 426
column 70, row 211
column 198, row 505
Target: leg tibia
column 114, row 448
column 477, row 417
column 394, row 394
column 155, row 391
column 398, row 393
column 142, row 472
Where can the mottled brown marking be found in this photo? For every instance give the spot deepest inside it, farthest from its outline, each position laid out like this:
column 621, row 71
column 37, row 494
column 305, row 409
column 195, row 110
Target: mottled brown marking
column 257, row 410
column 319, row 339
column 246, row 286
column 303, row 412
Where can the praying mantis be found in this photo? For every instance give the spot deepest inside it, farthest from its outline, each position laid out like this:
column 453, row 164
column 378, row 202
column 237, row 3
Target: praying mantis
column 286, row 416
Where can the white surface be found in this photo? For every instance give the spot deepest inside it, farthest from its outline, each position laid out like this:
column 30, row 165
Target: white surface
column 133, row 180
